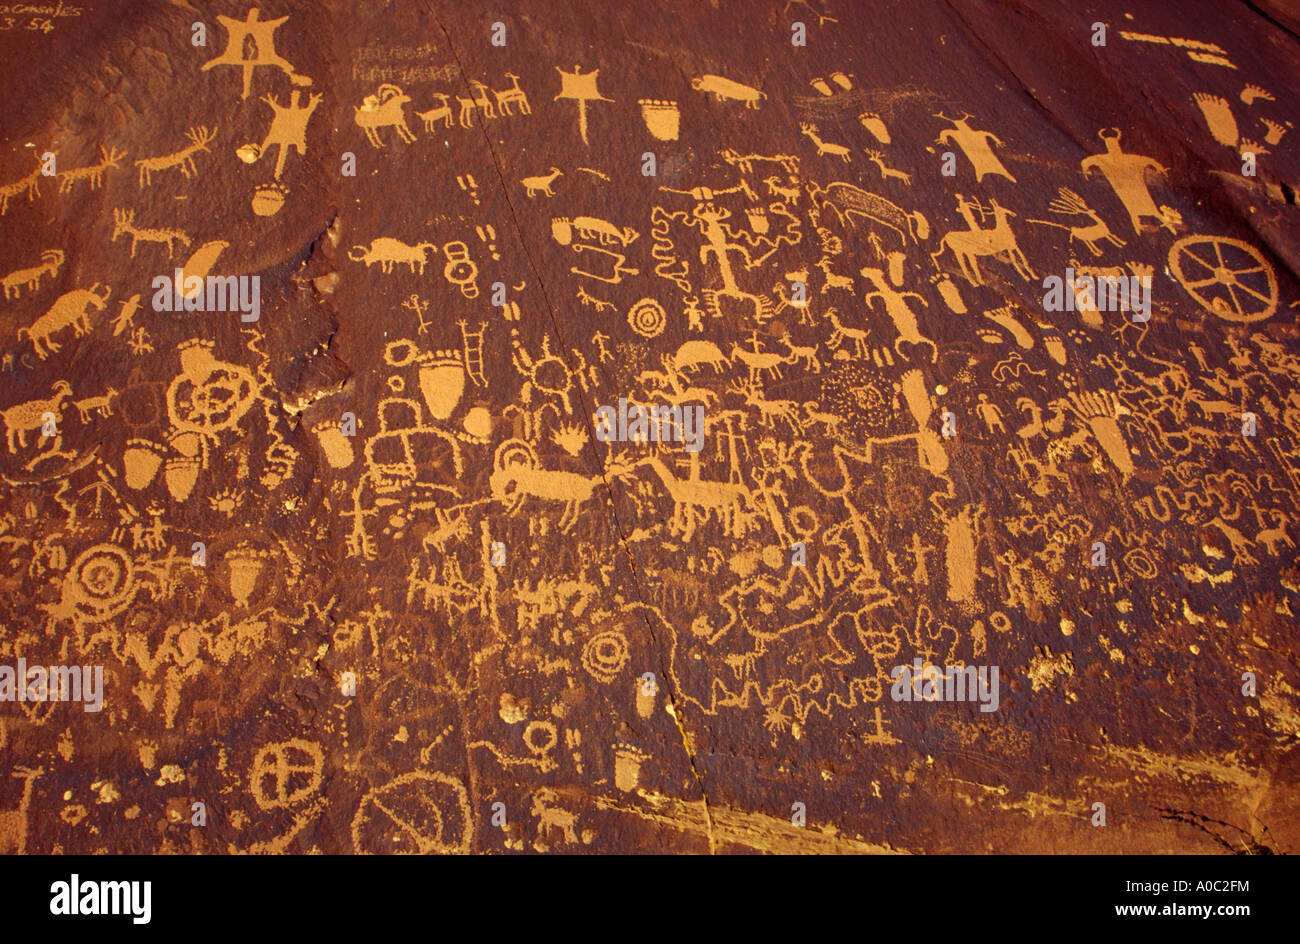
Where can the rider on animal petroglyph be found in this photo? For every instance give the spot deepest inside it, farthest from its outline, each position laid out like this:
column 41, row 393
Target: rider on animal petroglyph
column 967, row 246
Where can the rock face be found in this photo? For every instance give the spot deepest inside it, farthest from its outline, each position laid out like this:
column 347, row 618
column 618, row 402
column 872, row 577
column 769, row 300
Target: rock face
column 708, row 427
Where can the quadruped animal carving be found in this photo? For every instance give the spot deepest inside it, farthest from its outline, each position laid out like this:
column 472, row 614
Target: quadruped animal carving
column 389, row 252
column 384, row 109
column 70, row 310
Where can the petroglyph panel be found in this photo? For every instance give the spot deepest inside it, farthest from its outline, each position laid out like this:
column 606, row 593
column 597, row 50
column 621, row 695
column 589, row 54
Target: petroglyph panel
column 600, row 427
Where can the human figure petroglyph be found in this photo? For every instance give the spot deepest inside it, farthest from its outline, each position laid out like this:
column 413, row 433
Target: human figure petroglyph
column 251, row 43
column 1127, row 176
column 967, row 246
column 711, row 221
column 139, row 342
column 896, row 307
column 288, row 127
column 990, row 414
column 975, row 145
column 15, row 824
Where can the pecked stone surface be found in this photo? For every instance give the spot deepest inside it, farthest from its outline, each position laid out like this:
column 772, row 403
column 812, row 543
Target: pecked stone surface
column 363, row 572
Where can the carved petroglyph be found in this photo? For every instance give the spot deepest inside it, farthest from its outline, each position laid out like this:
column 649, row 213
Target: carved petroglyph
column 723, row 89
column 124, row 225
column 558, row 502
column 30, row 278
column 384, row 109
column 1127, row 174
column 70, row 310
column 250, row 44
column 389, row 252
column 93, row 173
column 998, row 240
column 200, row 137
column 541, row 183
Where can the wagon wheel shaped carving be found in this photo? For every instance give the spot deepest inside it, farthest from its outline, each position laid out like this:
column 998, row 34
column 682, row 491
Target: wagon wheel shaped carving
column 1228, row 277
